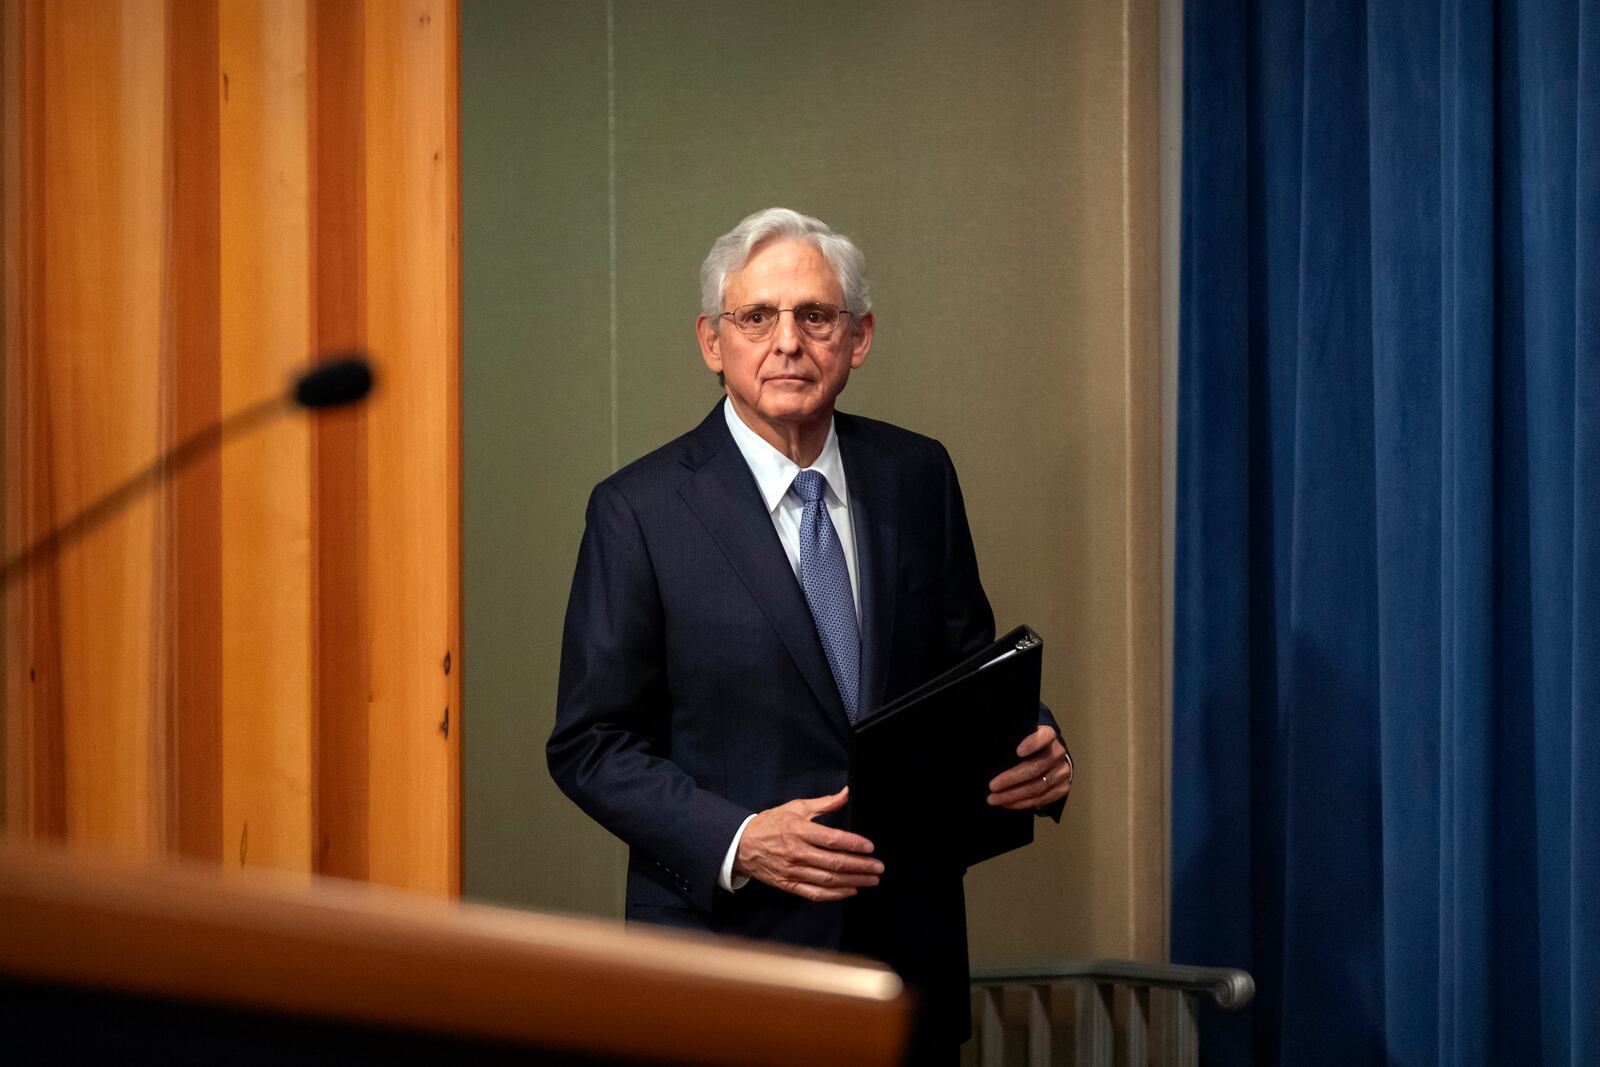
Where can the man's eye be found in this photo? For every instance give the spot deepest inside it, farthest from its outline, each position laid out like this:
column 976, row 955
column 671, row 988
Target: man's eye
column 757, row 316
column 813, row 316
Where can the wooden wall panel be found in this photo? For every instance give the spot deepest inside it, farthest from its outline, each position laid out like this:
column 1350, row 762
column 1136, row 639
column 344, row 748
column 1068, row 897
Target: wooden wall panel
column 339, row 239
column 12, row 619
column 35, row 788
column 101, row 168
column 247, row 664
column 412, row 228
column 266, row 519
column 193, row 382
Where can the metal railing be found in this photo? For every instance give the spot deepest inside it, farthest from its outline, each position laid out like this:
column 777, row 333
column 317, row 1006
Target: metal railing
column 1097, row 1013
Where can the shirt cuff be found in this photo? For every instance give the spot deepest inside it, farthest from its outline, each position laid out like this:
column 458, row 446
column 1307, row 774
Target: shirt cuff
column 725, row 877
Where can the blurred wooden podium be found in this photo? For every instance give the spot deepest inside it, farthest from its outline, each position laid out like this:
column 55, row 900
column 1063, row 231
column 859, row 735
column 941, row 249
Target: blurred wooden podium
column 108, row 960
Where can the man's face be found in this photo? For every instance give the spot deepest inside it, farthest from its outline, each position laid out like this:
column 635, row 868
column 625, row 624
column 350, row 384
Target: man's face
column 786, row 376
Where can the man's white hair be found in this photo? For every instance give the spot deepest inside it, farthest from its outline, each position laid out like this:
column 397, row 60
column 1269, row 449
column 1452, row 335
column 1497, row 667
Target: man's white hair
column 733, row 250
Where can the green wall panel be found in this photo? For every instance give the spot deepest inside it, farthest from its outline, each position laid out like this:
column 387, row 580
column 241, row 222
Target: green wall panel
column 604, row 148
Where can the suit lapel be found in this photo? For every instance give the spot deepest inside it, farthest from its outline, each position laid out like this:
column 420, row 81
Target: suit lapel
column 722, row 494
column 874, row 493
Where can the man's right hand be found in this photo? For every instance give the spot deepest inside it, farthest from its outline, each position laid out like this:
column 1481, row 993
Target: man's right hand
column 784, row 848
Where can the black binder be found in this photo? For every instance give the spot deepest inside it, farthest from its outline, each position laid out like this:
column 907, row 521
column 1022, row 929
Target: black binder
column 920, row 766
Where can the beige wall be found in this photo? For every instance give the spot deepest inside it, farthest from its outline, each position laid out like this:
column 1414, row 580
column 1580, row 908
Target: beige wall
column 997, row 162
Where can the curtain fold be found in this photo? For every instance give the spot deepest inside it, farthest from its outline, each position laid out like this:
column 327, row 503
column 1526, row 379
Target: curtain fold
column 1386, row 687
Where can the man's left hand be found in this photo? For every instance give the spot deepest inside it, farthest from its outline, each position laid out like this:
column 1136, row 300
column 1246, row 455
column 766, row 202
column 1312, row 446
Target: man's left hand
column 1043, row 777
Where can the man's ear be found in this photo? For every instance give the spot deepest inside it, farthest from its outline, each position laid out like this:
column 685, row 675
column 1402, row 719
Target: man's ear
column 710, row 343
column 861, row 343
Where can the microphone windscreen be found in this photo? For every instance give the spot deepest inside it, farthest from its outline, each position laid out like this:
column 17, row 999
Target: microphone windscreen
column 342, row 379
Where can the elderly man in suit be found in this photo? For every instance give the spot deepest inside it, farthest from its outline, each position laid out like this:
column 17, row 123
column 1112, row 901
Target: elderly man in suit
column 747, row 592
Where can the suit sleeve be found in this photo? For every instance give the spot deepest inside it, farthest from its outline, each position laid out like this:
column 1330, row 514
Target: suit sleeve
column 609, row 749
column 969, row 621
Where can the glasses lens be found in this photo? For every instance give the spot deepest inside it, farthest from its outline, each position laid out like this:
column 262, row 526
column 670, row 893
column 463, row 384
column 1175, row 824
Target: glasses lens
column 817, row 320
column 755, row 320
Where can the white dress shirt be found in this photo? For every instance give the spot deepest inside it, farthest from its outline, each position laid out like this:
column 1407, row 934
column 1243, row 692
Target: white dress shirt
column 774, row 473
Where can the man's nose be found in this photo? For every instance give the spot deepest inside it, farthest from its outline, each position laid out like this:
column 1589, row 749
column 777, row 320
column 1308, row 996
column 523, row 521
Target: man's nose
column 786, row 334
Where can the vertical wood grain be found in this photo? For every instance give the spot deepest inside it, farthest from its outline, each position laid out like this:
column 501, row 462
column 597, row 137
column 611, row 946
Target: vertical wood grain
column 10, row 361
column 266, row 587
column 101, row 72
column 248, row 664
column 193, row 385
column 413, row 328
column 343, row 673
column 35, row 797
column 44, row 714
column 444, row 84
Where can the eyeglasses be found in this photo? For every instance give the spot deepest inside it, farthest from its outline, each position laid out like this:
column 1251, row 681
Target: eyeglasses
column 757, row 321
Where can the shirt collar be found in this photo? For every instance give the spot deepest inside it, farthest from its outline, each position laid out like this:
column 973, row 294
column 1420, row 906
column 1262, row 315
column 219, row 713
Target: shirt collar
column 774, row 472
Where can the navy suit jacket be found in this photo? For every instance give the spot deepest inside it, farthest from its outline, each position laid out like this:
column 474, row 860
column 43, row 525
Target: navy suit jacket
column 694, row 690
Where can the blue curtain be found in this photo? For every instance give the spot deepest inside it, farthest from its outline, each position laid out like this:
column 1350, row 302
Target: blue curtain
column 1386, row 797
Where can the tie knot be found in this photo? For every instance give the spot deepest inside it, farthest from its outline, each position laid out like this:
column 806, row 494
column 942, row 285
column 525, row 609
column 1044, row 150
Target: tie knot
column 810, row 485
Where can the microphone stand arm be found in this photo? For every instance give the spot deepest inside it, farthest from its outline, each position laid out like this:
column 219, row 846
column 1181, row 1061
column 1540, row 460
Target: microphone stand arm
column 198, row 444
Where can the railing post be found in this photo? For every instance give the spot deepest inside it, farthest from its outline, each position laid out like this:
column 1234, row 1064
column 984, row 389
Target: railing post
column 991, row 1030
column 1039, row 1033
column 1138, row 1043
column 1178, row 1028
column 1092, row 1023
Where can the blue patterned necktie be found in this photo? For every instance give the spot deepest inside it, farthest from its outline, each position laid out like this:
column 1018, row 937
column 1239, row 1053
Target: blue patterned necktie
column 826, row 582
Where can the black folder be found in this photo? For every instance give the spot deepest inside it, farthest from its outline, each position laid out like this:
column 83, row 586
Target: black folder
column 920, row 766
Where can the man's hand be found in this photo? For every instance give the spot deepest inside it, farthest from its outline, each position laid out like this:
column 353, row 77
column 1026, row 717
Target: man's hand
column 784, row 848
column 1043, row 777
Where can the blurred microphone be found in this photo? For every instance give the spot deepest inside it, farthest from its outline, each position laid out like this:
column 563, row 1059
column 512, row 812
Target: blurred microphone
column 336, row 380
column 340, row 379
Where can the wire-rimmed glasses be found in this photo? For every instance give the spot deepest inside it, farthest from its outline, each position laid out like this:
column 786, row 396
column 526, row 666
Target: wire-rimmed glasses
column 757, row 321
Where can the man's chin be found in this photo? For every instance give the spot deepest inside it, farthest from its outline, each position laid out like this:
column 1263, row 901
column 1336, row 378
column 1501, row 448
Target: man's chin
column 787, row 392
column 798, row 410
